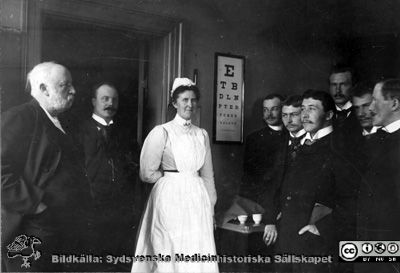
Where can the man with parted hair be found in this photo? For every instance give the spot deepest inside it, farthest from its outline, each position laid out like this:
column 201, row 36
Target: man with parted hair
column 317, row 192
column 291, row 118
column 45, row 192
column 347, row 128
column 341, row 81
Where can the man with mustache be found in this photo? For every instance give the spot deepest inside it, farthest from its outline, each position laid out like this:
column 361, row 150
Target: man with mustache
column 111, row 164
column 340, row 84
column 379, row 198
column 260, row 151
column 316, row 197
column 291, row 117
column 44, row 192
column 379, row 201
column 348, row 130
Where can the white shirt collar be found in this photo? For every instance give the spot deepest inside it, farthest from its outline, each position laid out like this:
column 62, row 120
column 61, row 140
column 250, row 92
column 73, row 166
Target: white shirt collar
column 275, row 128
column 373, row 131
column 54, row 120
column 318, row 135
column 392, row 127
column 181, row 121
column 347, row 105
column 101, row 120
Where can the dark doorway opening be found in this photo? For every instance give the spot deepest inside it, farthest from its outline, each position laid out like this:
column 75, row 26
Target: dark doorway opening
column 95, row 53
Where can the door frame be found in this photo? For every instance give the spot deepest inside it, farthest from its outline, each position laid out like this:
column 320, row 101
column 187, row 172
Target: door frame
column 165, row 31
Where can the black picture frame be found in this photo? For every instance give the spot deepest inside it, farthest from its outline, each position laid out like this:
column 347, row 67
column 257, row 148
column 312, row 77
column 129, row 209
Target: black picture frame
column 228, row 98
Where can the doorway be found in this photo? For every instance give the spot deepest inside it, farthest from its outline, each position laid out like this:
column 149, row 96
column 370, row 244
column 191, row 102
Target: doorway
column 95, row 53
column 140, row 52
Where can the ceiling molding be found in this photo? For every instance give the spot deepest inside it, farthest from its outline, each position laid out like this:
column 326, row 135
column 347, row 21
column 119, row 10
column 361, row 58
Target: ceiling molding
column 106, row 14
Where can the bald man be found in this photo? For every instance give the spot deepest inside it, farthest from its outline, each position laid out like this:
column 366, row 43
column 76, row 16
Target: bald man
column 45, row 193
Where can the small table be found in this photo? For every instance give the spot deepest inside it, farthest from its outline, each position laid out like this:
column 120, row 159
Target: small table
column 238, row 239
column 246, row 228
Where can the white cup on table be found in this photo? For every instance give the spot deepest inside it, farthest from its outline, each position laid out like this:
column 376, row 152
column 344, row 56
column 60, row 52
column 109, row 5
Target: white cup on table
column 257, row 218
column 242, row 219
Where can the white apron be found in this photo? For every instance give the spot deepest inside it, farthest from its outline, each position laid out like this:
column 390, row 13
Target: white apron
column 178, row 216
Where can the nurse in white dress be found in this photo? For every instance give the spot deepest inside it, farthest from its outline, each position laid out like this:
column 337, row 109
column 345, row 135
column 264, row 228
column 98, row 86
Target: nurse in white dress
column 178, row 219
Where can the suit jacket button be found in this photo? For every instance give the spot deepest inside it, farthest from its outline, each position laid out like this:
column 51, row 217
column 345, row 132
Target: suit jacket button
column 289, row 198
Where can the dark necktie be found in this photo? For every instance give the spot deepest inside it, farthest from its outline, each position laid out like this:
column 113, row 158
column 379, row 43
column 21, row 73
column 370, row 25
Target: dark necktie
column 105, row 131
column 294, row 142
column 294, row 146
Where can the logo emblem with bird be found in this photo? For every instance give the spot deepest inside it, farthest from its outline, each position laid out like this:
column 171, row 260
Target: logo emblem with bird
column 24, row 247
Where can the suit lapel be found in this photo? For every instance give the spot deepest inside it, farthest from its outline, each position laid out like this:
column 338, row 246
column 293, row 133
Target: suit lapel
column 96, row 134
column 52, row 132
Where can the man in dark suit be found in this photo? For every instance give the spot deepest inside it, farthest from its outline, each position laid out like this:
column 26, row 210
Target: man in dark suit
column 379, row 201
column 111, row 159
column 291, row 118
column 347, row 128
column 379, row 197
column 260, row 151
column 317, row 192
column 45, row 192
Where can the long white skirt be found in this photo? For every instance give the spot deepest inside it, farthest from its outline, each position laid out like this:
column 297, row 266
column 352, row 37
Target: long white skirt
column 177, row 221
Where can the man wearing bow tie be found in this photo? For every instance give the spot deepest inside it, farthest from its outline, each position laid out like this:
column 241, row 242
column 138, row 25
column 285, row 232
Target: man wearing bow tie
column 111, row 168
column 291, row 118
column 348, row 130
column 316, row 197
